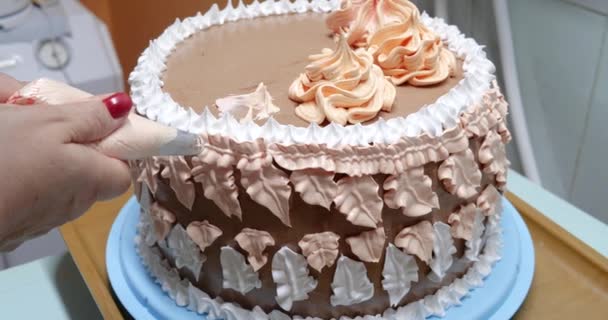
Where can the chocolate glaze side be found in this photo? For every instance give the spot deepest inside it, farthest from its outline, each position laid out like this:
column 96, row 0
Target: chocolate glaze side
column 235, row 57
column 311, row 219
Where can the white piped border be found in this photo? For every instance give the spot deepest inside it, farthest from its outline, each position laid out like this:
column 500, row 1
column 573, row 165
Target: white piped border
column 433, row 119
column 186, row 295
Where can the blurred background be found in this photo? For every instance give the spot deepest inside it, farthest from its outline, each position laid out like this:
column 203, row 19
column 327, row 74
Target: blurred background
column 551, row 58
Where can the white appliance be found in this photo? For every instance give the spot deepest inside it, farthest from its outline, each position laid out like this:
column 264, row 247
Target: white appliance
column 60, row 40
column 12, row 12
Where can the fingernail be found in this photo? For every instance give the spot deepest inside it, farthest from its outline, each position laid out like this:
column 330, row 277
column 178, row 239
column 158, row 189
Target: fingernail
column 118, row 104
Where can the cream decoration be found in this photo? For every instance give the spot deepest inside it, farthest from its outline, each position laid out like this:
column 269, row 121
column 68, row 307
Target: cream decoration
column 200, row 302
column 237, row 274
column 172, row 283
column 290, row 273
column 362, row 18
column 351, row 284
column 412, row 191
column 218, row 186
column 368, row 245
column 146, row 228
column 489, row 113
column 185, row 252
column 407, row 51
column 501, row 107
column 493, row 155
column 400, row 270
column 249, row 155
column 316, row 187
column 443, row 249
column 218, row 149
column 504, row 132
column 358, row 199
column 136, row 169
column 460, row 174
column 417, row 240
column 411, row 311
column 203, row 233
column 480, row 119
column 145, row 200
column 148, row 174
column 352, row 160
column 320, row 249
column 255, row 242
column 214, row 308
column 489, row 200
column 162, row 220
column 254, row 106
column 474, row 243
column 461, row 221
column 176, row 169
column 269, row 187
column 389, row 159
column 343, row 86
column 232, row 311
column 434, row 305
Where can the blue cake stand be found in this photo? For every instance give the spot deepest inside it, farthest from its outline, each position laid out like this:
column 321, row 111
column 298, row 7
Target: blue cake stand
column 500, row 296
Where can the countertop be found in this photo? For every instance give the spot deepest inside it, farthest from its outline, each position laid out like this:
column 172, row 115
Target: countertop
column 48, row 288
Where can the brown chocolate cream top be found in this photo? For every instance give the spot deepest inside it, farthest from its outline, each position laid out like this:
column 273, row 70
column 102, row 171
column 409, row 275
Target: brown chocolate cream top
column 233, row 59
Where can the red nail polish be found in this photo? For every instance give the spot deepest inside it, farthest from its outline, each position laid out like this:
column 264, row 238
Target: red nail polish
column 118, row 104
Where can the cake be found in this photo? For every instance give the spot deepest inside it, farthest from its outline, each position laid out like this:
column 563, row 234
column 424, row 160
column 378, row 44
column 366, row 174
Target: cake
column 352, row 167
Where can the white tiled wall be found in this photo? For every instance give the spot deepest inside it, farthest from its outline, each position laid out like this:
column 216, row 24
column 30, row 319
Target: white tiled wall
column 590, row 185
column 562, row 57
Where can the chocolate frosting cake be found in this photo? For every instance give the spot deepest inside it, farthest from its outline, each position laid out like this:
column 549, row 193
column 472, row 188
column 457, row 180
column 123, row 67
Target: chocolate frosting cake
column 353, row 161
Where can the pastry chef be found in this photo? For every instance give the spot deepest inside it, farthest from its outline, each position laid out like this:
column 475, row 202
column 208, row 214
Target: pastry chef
column 48, row 176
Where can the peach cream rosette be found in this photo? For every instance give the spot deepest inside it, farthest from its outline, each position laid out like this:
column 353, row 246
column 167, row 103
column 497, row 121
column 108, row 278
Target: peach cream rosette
column 342, row 86
column 408, row 51
column 362, row 18
column 392, row 30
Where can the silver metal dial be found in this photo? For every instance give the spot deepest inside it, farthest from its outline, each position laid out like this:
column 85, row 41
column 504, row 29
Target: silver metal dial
column 53, row 54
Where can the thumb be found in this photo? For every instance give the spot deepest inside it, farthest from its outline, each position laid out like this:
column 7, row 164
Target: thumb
column 94, row 119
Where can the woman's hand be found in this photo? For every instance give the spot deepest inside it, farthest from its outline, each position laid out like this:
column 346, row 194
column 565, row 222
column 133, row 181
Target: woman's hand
column 48, row 176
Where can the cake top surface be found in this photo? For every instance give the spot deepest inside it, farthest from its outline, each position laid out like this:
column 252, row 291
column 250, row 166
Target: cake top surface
column 234, row 58
column 189, row 66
